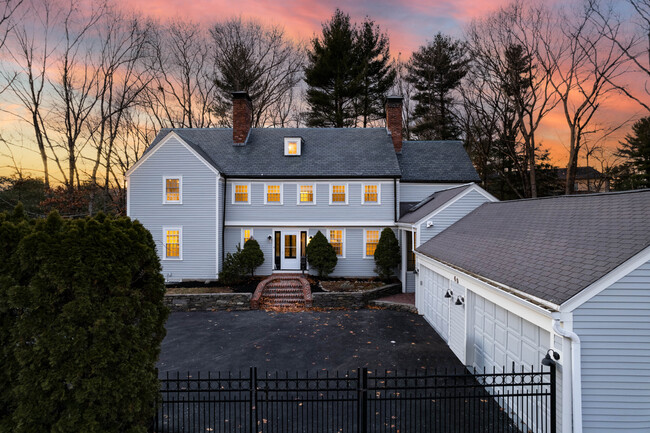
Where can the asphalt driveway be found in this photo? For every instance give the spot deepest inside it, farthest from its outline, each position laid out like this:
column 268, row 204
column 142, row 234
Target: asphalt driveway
column 332, row 340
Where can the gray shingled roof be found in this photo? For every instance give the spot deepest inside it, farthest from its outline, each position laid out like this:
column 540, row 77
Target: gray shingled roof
column 326, row 152
column 436, row 161
column 431, row 203
column 551, row 248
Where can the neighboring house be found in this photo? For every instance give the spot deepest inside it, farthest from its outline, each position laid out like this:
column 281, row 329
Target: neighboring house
column 588, row 179
column 513, row 279
column 203, row 192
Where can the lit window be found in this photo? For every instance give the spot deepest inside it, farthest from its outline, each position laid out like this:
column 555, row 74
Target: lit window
column 172, row 192
column 273, row 193
column 370, row 194
column 336, row 240
column 172, row 244
column 306, row 193
column 292, row 146
column 241, row 193
column 372, row 238
column 338, row 194
column 247, row 235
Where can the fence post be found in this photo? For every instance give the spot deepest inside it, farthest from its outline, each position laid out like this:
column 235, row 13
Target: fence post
column 363, row 399
column 553, row 399
column 253, row 400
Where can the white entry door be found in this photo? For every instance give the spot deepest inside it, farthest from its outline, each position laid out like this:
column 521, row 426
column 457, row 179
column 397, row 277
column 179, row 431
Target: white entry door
column 290, row 254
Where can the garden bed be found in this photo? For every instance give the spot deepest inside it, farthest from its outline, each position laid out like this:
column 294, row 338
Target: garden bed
column 344, row 285
column 200, row 287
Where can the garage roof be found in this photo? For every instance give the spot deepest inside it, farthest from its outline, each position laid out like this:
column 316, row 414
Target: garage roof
column 551, row 248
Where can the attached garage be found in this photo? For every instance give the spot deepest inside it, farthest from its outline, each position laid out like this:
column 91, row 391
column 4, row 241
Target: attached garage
column 566, row 274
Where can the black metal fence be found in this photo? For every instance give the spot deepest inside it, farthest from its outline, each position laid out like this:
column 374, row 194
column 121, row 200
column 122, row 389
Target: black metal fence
column 361, row 401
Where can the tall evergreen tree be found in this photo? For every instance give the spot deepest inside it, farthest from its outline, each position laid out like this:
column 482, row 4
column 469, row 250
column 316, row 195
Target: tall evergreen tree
column 377, row 73
column 332, row 74
column 435, row 70
column 349, row 73
column 636, row 148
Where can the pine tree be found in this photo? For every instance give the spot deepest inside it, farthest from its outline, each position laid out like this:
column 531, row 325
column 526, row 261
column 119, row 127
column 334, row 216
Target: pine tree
column 377, row 73
column 435, row 70
column 333, row 74
column 636, row 148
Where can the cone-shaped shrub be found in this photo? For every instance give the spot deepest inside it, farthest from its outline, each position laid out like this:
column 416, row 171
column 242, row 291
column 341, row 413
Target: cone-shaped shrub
column 321, row 255
column 252, row 256
column 387, row 254
column 87, row 296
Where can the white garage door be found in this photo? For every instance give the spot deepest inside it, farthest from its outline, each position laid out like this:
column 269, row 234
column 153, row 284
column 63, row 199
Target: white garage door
column 432, row 302
column 457, row 322
column 498, row 337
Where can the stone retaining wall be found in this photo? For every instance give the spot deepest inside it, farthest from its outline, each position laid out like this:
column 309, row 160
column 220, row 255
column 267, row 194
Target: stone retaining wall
column 209, row 301
column 353, row 299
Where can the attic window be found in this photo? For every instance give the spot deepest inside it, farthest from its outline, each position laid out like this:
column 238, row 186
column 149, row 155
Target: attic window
column 292, row 146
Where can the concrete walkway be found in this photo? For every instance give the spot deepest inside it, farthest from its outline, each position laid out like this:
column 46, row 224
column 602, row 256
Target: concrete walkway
column 400, row 302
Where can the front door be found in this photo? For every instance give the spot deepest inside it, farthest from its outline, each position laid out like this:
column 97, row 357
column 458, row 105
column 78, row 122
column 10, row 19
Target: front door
column 290, row 251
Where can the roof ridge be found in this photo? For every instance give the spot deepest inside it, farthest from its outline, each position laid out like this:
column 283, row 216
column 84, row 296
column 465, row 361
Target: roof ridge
column 565, row 196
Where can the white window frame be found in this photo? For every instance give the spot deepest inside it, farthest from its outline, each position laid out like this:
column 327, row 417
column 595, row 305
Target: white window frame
column 286, row 145
column 365, row 240
column 180, row 190
column 249, row 189
column 266, row 191
column 347, row 193
column 242, row 235
column 180, row 243
column 363, row 194
column 342, row 256
column 313, row 190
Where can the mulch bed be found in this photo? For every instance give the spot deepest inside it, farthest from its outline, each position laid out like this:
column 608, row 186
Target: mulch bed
column 191, row 287
column 333, row 284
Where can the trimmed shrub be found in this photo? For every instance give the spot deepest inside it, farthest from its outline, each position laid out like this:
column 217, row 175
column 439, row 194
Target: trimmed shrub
column 321, row 255
column 233, row 268
column 86, row 298
column 387, row 254
column 252, row 256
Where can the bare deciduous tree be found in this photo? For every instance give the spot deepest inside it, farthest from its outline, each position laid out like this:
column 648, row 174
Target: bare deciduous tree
column 518, row 28
column 582, row 64
column 259, row 60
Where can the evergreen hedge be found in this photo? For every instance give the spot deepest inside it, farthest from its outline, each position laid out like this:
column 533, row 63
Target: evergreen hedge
column 321, row 255
column 387, row 254
column 82, row 314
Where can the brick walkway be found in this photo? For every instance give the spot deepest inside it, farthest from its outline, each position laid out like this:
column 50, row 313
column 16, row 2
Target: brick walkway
column 401, row 302
column 282, row 291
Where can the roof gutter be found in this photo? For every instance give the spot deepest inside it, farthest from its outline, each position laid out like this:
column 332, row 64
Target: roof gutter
column 575, row 385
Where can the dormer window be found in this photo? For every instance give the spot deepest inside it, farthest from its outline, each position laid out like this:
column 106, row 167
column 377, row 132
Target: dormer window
column 292, row 146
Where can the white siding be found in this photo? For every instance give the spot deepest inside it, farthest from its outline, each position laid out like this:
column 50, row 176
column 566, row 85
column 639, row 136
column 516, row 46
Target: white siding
column 197, row 215
column 614, row 329
column 289, row 210
column 410, row 192
column 457, row 322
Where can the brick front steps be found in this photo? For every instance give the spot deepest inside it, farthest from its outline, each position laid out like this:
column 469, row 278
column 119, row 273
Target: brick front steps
column 282, row 291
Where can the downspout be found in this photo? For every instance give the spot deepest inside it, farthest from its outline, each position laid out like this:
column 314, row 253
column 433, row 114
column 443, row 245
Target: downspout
column 395, row 205
column 223, row 218
column 576, row 375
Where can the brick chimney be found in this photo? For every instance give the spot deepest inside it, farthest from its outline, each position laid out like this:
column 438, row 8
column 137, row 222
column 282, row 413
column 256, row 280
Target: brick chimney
column 242, row 117
column 394, row 120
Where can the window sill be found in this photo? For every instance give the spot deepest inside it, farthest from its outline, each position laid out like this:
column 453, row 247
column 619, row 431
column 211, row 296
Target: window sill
column 173, row 202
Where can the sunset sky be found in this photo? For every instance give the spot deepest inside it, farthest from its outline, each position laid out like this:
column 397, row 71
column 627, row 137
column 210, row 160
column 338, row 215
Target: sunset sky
column 409, row 24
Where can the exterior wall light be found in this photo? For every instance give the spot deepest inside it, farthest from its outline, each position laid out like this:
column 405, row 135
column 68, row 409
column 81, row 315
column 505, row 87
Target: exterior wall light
column 269, row 237
column 460, row 300
column 449, row 293
column 548, row 361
